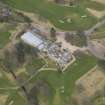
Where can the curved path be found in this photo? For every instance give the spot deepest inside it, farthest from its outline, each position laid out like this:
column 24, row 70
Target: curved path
column 91, row 30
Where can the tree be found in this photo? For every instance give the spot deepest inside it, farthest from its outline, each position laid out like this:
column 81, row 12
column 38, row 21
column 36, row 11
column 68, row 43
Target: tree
column 32, row 96
column 20, row 52
column 29, row 50
column 26, row 18
column 53, row 33
column 60, row 1
column 72, row 2
column 7, row 61
column 102, row 63
column 68, row 37
column 77, row 39
column 74, row 101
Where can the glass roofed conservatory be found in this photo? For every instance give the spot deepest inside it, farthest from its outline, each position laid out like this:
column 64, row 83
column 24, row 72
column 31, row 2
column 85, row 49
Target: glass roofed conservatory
column 33, row 40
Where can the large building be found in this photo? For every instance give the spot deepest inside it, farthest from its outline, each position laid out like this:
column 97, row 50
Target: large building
column 54, row 50
column 33, row 39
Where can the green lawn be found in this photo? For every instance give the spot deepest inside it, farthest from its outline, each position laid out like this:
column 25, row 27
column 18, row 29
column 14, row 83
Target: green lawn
column 57, row 80
column 54, row 12
column 4, row 38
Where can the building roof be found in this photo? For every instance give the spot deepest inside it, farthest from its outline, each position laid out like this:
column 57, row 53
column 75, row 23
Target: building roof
column 32, row 39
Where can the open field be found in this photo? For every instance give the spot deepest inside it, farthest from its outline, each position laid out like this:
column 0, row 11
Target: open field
column 92, row 81
column 8, row 91
column 4, row 34
column 99, row 34
column 9, row 25
column 96, row 13
column 16, row 98
column 3, row 99
column 100, row 1
column 29, row 69
column 65, row 81
column 5, row 81
column 62, row 85
column 12, row 97
column 91, row 85
column 47, row 10
column 4, row 38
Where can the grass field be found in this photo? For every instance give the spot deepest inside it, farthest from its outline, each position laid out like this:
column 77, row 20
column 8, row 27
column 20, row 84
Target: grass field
column 5, row 80
column 4, row 38
column 54, row 12
column 26, row 71
column 5, row 33
column 56, row 81
column 35, row 65
column 6, row 85
column 17, row 98
column 67, row 80
column 14, row 97
column 99, row 34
